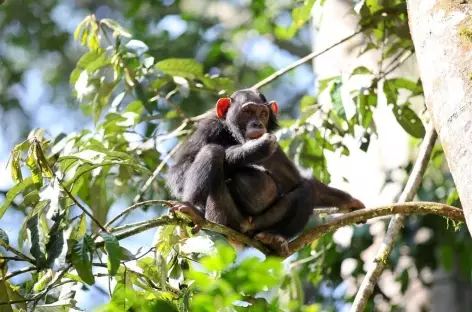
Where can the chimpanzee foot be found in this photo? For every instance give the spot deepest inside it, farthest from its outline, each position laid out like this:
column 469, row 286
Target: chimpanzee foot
column 275, row 242
column 353, row 204
column 247, row 225
column 190, row 210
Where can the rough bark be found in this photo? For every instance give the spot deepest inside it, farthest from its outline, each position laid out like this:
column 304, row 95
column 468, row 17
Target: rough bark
column 442, row 36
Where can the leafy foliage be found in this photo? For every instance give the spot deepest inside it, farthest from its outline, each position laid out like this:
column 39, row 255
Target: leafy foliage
column 140, row 89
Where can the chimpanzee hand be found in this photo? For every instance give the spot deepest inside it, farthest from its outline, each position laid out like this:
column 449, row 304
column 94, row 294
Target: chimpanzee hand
column 252, row 151
column 264, row 146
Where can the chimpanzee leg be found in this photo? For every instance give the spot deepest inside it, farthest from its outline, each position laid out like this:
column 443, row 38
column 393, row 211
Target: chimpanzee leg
column 283, row 208
column 205, row 188
column 326, row 196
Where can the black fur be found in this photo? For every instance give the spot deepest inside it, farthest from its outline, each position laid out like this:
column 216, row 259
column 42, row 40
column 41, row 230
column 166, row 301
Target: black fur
column 229, row 178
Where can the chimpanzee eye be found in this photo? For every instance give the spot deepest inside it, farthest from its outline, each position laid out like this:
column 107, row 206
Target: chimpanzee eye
column 264, row 114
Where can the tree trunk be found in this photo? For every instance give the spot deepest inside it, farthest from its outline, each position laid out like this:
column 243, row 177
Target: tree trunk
column 442, row 36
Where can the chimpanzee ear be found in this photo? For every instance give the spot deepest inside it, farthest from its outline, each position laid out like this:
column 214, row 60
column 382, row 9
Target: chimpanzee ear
column 222, row 106
column 274, row 107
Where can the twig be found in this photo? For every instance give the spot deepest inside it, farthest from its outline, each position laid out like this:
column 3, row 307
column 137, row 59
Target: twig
column 302, row 61
column 17, row 252
column 50, row 286
column 368, row 213
column 131, row 208
column 78, row 204
column 155, row 173
column 18, row 272
column 370, row 280
column 167, row 220
column 15, row 301
column 405, row 57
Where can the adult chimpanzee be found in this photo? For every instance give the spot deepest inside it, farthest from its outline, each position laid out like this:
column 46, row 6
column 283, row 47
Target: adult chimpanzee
column 233, row 172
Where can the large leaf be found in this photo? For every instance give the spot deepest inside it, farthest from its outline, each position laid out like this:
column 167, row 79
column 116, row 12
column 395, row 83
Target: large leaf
column 37, row 234
column 113, row 250
column 56, row 245
column 81, row 259
column 187, row 68
column 101, row 100
column 13, row 192
column 408, row 119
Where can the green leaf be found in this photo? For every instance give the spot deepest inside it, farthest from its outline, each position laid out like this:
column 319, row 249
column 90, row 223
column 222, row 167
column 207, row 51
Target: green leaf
column 366, row 101
column 93, row 60
column 361, row 70
column 149, row 267
column 187, row 68
column 217, row 262
column 81, row 259
column 4, row 236
column 324, row 83
column 101, row 100
column 113, row 250
column 13, row 192
column 403, row 83
column 410, row 122
column 79, row 228
column 56, row 244
column 336, row 99
column 38, row 247
column 16, row 174
column 80, row 27
column 36, row 174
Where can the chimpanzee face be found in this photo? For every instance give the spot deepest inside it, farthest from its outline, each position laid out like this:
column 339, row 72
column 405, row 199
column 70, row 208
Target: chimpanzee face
column 249, row 112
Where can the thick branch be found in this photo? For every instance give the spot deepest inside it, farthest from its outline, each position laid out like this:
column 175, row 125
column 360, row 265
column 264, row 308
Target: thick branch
column 369, row 213
column 367, row 287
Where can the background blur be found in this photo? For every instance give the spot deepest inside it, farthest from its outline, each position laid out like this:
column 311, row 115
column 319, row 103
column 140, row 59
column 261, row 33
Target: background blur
column 241, row 39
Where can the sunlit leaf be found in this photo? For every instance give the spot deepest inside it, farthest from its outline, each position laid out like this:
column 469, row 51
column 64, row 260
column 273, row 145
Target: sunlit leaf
column 79, row 229
column 13, row 192
column 410, row 122
column 361, row 70
column 187, row 68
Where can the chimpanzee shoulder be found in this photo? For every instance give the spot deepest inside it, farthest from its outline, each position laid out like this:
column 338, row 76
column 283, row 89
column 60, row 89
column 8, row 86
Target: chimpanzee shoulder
column 209, row 130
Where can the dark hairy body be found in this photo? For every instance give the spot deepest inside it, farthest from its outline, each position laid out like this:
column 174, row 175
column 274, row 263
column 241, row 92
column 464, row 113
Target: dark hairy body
column 232, row 171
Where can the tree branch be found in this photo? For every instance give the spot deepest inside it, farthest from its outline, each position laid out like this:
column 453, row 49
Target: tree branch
column 306, row 238
column 302, row 61
column 370, row 280
column 369, row 213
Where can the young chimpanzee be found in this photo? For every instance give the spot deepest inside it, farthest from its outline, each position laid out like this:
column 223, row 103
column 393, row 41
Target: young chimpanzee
column 233, row 172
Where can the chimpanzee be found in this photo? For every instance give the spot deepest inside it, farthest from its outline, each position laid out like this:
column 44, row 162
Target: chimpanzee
column 233, row 172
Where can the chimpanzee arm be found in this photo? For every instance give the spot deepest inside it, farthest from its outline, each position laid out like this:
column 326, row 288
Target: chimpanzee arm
column 252, row 151
column 205, row 187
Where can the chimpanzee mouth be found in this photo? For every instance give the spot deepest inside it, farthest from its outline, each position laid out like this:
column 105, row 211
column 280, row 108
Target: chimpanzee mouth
column 255, row 134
